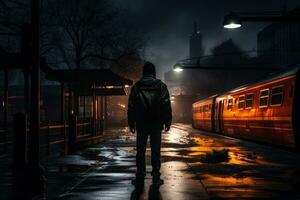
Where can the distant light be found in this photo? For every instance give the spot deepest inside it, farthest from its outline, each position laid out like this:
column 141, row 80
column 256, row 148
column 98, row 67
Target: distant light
column 172, row 101
column 232, row 26
column 178, row 69
column 232, row 21
column 3, row 103
column 72, row 112
column 172, row 97
column 126, row 86
column 121, row 105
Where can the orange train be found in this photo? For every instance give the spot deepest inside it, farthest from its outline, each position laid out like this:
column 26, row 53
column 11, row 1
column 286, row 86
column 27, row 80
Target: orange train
column 267, row 111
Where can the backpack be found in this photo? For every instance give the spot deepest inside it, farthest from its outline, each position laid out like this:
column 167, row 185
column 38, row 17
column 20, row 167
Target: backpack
column 149, row 100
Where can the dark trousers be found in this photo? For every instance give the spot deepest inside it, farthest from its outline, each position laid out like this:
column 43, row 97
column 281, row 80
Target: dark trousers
column 141, row 144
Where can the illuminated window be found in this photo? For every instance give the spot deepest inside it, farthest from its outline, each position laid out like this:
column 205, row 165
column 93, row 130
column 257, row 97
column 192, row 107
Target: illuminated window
column 277, row 96
column 249, row 100
column 230, row 102
column 242, row 103
column 264, row 98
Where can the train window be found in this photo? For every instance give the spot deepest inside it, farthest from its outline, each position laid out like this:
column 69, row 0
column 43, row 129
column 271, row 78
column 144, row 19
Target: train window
column 276, row 96
column 264, row 98
column 230, row 102
column 241, row 104
column 249, row 101
column 206, row 108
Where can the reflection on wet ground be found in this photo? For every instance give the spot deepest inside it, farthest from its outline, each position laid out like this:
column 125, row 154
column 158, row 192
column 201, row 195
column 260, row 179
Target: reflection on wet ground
column 195, row 165
column 251, row 170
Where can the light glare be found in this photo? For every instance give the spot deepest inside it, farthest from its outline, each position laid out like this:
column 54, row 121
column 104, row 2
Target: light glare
column 178, row 69
column 232, row 25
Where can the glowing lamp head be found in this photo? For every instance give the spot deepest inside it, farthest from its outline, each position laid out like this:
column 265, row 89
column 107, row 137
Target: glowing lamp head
column 232, row 26
column 177, row 68
column 232, row 21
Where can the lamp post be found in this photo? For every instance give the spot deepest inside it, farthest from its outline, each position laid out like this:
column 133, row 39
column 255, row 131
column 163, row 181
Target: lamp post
column 36, row 178
column 234, row 20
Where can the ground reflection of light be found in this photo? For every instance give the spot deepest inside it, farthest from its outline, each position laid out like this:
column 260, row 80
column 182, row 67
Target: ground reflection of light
column 230, row 180
column 177, row 180
column 176, row 136
column 196, row 153
column 78, row 160
column 236, row 159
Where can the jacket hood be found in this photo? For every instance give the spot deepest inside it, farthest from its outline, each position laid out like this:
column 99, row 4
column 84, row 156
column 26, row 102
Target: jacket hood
column 148, row 80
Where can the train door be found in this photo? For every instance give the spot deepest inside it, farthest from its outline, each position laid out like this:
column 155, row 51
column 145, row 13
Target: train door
column 213, row 113
column 220, row 116
column 216, row 121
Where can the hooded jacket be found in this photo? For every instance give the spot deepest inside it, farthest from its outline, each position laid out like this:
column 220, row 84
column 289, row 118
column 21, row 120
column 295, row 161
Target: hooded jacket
column 149, row 106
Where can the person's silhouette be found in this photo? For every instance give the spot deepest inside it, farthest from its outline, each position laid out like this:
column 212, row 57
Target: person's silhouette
column 149, row 112
column 154, row 193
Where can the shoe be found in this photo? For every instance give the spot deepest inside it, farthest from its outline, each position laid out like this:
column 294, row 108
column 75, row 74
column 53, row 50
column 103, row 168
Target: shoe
column 157, row 181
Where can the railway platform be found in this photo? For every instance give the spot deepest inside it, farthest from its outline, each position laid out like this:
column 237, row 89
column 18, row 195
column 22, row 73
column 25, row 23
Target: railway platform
column 195, row 165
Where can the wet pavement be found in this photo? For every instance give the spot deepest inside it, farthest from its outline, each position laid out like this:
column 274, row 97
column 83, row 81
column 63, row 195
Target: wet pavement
column 195, row 165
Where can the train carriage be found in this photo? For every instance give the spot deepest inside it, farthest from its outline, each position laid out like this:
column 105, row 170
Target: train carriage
column 267, row 111
column 202, row 115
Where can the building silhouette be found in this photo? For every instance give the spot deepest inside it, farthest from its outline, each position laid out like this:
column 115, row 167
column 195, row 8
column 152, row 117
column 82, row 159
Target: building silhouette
column 279, row 43
column 196, row 49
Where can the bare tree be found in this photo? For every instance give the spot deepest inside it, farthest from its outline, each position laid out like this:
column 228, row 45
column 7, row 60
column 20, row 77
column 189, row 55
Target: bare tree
column 90, row 30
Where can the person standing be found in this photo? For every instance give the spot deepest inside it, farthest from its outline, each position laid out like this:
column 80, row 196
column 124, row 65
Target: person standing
column 149, row 112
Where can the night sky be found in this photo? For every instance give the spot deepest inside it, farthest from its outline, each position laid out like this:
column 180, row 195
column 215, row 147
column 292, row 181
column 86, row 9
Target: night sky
column 169, row 23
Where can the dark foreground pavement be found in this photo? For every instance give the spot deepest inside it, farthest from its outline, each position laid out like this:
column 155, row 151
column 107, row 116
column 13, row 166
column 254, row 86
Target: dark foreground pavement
column 234, row 170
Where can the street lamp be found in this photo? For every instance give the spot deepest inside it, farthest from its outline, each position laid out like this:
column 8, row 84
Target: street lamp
column 234, row 20
column 177, row 68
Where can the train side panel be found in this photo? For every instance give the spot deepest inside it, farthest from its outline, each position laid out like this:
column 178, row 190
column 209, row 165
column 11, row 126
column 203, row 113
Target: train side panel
column 202, row 115
column 262, row 112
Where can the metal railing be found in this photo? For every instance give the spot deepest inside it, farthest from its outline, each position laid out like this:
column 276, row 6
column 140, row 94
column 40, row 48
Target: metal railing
column 54, row 133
